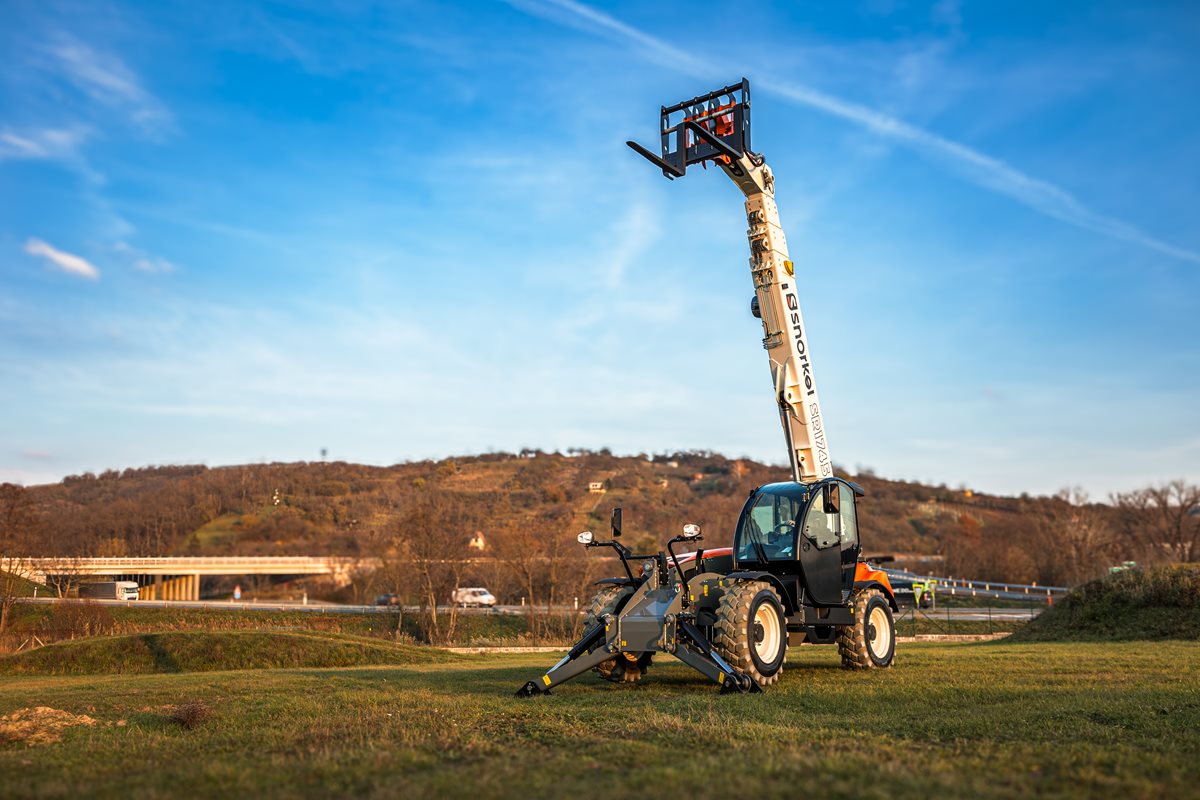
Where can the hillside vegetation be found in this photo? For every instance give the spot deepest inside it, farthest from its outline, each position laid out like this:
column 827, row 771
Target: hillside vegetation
column 1158, row 603
column 340, row 508
column 508, row 522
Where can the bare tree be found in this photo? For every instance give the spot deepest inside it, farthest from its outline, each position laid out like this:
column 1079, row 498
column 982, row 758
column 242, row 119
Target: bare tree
column 15, row 519
column 432, row 536
column 1077, row 537
column 1165, row 518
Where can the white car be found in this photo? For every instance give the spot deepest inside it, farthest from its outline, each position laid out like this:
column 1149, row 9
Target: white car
column 473, row 597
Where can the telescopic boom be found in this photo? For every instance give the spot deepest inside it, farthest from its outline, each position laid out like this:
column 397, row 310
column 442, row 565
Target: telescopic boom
column 716, row 127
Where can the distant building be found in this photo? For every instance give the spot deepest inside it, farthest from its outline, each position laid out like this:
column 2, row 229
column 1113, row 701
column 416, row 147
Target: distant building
column 477, row 542
column 673, row 464
column 663, row 483
column 596, row 487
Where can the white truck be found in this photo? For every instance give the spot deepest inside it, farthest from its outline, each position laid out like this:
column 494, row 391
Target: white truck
column 109, row 590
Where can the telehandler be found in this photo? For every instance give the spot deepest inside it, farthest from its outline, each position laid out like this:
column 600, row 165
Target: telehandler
column 794, row 573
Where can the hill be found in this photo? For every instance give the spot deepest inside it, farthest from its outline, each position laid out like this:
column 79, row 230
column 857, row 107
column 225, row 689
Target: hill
column 1152, row 604
column 210, row 651
column 352, row 509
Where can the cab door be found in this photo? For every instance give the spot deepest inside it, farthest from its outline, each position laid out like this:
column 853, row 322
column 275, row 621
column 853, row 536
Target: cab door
column 829, row 543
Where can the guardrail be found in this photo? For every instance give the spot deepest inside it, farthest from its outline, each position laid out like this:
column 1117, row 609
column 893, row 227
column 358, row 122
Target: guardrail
column 167, row 561
column 995, row 590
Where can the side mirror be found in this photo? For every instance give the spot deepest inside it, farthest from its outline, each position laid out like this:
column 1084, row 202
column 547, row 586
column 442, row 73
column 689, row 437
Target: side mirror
column 831, row 497
column 585, row 538
column 616, row 523
column 691, row 531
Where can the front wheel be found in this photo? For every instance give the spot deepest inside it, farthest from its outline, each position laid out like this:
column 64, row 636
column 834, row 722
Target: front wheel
column 871, row 640
column 751, row 630
column 624, row 667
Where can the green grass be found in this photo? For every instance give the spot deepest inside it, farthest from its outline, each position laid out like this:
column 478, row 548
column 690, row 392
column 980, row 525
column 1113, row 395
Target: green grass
column 1158, row 603
column 977, row 720
column 23, row 587
column 472, row 629
column 220, row 532
column 204, row 652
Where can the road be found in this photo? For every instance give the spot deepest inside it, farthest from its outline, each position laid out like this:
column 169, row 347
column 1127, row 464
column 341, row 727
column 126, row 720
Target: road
column 978, row 614
column 955, row 614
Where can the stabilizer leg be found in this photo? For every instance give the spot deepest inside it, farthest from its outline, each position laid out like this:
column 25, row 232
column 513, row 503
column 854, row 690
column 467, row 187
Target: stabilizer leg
column 695, row 651
column 577, row 661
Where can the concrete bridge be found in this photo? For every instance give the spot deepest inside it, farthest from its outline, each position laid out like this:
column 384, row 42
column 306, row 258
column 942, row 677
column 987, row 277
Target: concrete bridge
column 178, row 577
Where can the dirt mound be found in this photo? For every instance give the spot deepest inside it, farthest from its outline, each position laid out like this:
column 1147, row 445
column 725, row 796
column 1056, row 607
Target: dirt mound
column 39, row 725
column 1156, row 603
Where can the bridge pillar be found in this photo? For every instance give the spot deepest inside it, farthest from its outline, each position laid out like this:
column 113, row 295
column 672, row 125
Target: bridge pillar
column 195, row 593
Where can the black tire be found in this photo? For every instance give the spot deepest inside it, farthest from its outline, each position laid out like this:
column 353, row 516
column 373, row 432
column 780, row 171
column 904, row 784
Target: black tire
column 751, row 630
column 626, row 667
column 871, row 641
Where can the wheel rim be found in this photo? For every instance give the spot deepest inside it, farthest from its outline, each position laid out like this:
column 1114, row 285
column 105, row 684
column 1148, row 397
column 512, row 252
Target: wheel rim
column 767, row 633
column 879, row 632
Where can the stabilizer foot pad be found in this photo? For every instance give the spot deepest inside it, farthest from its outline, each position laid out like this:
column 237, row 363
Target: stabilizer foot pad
column 530, row 689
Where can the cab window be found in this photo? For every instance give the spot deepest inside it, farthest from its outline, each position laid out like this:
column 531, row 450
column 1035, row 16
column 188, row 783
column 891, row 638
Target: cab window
column 821, row 528
column 768, row 528
column 849, row 518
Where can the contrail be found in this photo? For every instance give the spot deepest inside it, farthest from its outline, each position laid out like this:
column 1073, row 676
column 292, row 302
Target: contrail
column 979, row 168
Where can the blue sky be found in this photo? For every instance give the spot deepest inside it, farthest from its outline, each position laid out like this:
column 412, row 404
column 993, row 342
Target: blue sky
column 234, row 232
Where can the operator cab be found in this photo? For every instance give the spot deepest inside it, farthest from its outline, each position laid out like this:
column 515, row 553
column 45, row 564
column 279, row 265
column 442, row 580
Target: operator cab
column 806, row 530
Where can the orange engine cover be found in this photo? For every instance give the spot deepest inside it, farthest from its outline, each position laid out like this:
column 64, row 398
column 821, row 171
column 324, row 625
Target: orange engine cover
column 865, row 572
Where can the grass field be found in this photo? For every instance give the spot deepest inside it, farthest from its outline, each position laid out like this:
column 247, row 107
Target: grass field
column 200, row 651
column 949, row 720
column 56, row 623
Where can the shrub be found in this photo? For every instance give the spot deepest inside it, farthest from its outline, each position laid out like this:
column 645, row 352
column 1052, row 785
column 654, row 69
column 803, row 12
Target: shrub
column 74, row 620
column 191, row 714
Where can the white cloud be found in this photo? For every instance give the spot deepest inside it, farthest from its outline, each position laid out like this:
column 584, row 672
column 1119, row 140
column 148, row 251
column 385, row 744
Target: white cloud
column 66, row 262
column 979, row 168
column 632, row 235
column 44, row 143
column 107, row 80
column 143, row 261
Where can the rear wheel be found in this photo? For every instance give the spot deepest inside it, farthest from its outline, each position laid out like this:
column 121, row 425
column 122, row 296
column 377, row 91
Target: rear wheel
column 625, row 667
column 751, row 630
column 871, row 640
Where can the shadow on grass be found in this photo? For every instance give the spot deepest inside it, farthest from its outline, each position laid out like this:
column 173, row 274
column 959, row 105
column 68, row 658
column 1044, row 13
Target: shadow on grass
column 150, row 721
column 476, row 680
column 163, row 660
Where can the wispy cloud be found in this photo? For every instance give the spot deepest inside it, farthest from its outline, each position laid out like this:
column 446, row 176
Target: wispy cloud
column 143, row 261
column 979, row 168
column 41, row 143
column 632, row 234
column 107, row 80
column 65, row 262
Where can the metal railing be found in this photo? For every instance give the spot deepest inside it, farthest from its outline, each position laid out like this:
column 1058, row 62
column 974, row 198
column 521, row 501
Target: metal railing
column 173, row 560
column 995, row 590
